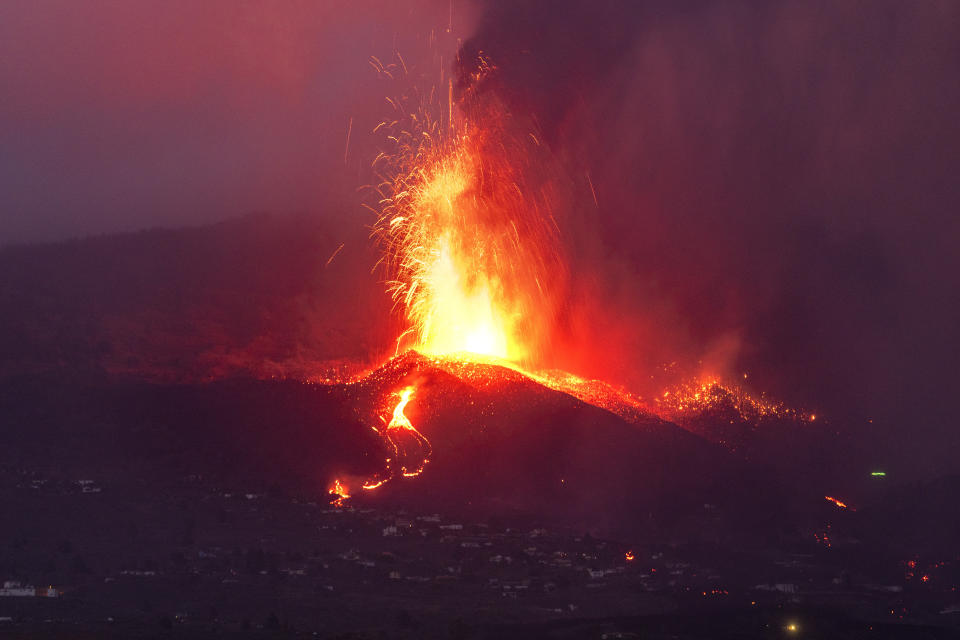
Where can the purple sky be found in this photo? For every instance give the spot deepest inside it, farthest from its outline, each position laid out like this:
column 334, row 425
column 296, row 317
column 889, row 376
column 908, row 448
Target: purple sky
column 119, row 115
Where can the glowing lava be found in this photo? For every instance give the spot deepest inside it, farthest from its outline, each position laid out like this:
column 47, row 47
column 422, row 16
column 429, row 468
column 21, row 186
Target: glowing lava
column 837, row 502
column 470, row 243
column 409, row 450
column 340, row 491
column 472, row 248
column 471, row 251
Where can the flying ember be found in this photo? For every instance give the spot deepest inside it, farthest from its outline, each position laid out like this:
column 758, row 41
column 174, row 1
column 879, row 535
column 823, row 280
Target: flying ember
column 470, row 243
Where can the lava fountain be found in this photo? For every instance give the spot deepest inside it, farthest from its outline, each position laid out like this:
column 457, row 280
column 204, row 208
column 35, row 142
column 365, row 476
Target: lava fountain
column 470, row 243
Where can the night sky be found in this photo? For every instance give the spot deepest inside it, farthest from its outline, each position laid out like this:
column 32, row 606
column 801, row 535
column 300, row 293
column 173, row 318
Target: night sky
column 776, row 183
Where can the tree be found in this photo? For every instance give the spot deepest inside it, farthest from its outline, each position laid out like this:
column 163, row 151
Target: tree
column 404, row 619
column 273, row 622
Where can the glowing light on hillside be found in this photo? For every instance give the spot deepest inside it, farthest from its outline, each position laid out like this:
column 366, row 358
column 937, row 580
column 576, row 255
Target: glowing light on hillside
column 337, row 489
column 839, row 503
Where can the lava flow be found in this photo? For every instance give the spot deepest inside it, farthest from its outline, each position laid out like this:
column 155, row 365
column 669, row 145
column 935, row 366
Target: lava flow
column 839, row 503
column 472, row 248
column 410, row 449
column 340, row 492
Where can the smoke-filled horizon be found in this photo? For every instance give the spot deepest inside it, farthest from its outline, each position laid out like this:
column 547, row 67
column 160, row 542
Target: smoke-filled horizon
column 754, row 188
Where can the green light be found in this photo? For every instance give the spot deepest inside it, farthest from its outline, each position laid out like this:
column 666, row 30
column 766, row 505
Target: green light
column 879, row 474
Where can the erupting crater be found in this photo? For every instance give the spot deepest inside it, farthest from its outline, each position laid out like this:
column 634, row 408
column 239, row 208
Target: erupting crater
column 464, row 201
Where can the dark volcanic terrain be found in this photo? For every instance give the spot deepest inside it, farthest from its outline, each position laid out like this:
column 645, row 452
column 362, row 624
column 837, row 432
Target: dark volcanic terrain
column 175, row 404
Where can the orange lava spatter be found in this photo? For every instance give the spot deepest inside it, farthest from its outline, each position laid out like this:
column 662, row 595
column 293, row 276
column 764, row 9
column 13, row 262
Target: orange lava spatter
column 471, row 247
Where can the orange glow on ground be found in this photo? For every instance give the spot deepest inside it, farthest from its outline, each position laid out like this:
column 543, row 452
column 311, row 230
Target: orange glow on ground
column 839, row 503
column 471, row 253
column 399, row 419
column 408, row 450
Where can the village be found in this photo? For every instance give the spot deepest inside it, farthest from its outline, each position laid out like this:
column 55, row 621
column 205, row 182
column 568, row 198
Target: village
column 212, row 561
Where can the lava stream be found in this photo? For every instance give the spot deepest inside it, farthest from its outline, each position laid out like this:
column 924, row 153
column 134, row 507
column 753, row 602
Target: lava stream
column 409, row 450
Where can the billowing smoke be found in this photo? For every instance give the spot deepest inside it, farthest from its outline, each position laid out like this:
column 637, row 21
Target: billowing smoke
column 766, row 188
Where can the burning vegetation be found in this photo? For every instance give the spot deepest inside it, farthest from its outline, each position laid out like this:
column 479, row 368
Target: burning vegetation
column 710, row 395
column 410, row 451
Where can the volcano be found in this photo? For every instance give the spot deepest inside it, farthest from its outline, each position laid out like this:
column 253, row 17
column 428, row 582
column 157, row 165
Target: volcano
column 506, row 442
column 493, row 438
column 501, row 444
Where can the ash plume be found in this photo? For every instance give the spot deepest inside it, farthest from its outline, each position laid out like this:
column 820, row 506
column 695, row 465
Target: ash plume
column 763, row 188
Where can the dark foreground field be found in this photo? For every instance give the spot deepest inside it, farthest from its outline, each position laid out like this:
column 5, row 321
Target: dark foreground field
column 192, row 556
column 171, row 418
